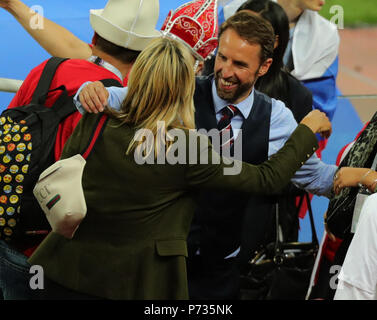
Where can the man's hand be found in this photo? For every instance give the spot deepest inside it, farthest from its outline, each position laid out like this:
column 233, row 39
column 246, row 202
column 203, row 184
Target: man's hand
column 93, row 97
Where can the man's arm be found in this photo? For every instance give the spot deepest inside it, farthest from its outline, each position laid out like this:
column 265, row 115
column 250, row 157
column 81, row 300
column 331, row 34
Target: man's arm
column 92, row 97
column 55, row 39
column 314, row 176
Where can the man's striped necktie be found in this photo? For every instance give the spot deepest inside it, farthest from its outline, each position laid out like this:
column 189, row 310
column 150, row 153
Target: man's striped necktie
column 225, row 127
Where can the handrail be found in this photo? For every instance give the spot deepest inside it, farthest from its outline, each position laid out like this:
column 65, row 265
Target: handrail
column 358, row 96
column 10, row 85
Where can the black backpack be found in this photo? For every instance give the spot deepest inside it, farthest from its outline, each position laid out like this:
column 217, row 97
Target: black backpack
column 27, row 140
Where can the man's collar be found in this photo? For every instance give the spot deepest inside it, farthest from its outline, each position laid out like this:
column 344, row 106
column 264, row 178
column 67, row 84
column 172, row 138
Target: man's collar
column 99, row 61
column 244, row 106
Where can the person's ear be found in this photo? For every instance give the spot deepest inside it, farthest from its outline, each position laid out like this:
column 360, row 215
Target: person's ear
column 263, row 69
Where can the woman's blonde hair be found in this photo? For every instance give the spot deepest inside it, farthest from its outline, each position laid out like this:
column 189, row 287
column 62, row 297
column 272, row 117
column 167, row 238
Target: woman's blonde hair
column 160, row 88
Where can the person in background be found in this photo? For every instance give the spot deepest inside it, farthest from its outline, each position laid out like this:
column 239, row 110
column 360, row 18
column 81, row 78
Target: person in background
column 361, row 153
column 143, row 218
column 357, row 279
column 358, row 276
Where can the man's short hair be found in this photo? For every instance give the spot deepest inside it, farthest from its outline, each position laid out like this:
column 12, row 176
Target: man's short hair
column 123, row 54
column 254, row 29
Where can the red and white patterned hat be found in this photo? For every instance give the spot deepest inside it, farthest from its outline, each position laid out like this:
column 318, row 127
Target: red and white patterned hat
column 194, row 23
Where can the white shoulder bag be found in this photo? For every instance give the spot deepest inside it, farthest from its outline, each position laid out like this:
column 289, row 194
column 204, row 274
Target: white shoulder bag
column 59, row 189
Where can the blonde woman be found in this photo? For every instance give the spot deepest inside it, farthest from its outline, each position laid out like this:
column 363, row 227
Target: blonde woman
column 132, row 244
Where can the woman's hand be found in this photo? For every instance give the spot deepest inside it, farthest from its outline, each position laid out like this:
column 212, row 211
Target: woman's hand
column 318, row 122
column 93, row 97
column 351, row 177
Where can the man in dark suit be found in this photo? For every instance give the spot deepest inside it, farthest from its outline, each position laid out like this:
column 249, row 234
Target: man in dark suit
column 215, row 244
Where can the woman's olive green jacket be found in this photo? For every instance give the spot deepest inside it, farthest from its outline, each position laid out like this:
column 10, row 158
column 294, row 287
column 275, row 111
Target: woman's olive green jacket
column 132, row 243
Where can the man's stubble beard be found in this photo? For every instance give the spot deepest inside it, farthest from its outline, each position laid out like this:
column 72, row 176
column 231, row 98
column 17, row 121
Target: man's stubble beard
column 234, row 95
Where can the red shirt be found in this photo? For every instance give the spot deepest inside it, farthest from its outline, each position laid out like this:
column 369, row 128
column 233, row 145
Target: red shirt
column 72, row 73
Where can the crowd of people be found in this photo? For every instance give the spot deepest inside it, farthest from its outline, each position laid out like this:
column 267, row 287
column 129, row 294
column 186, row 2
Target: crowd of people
column 250, row 72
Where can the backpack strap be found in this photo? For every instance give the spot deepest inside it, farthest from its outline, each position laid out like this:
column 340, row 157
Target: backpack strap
column 97, row 131
column 111, row 83
column 43, row 86
column 64, row 109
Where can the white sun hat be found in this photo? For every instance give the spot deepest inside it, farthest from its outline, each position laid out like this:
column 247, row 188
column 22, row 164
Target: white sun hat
column 127, row 23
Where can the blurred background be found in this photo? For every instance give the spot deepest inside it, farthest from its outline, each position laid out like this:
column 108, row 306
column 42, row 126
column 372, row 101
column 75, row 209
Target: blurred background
column 357, row 76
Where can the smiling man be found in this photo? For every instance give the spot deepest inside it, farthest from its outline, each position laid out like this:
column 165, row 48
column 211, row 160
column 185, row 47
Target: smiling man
column 235, row 76
column 225, row 223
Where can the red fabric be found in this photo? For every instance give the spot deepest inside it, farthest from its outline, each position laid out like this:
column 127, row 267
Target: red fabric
column 321, row 146
column 95, row 136
column 304, row 207
column 28, row 252
column 72, row 73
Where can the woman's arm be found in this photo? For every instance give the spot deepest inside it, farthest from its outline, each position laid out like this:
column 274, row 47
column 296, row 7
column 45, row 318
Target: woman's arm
column 55, row 39
column 269, row 177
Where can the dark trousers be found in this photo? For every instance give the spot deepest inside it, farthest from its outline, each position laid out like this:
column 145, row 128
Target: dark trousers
column 220, row 281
